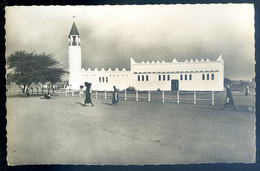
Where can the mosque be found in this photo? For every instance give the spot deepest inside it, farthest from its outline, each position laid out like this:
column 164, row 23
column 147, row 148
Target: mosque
column 193, row 75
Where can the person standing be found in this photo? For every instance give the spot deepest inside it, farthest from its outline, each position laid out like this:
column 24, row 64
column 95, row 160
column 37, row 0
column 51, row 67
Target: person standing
column 88, row 94
column 247, row 90
column 229, row 98
column 115, row 96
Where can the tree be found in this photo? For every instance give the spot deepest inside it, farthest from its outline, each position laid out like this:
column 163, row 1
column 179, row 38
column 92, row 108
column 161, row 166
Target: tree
column 130, row 88
column 227, row 81
column 243, row 83
column 28, row 68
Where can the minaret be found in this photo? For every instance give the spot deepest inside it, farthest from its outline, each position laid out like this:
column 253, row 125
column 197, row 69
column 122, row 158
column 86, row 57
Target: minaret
column 74, row 58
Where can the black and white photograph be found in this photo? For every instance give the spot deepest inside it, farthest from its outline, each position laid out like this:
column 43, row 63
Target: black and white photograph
column 130, row 84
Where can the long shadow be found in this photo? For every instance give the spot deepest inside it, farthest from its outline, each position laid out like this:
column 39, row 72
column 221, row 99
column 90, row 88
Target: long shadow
column 241, row 109
column 80, row 104
column 220, row 109
column 87, row 105
column 107, row 104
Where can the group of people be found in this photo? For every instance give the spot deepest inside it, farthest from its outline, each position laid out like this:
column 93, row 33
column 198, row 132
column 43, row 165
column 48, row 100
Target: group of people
column 228, row 101
column 88, row 95
column 46, row 96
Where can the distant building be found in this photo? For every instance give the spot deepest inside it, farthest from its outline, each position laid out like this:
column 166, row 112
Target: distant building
column 188, row 75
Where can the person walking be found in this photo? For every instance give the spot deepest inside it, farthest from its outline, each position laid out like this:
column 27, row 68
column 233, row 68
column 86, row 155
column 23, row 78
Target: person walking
column 229, row 98
column 115, row 96
column 88, row 94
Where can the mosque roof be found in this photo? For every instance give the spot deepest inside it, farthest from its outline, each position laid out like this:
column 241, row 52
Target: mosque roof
column 74, row 30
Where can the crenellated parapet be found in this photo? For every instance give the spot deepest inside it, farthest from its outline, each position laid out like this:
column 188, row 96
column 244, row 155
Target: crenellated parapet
column 103, row 70
column 220, row 59
column 195, row 66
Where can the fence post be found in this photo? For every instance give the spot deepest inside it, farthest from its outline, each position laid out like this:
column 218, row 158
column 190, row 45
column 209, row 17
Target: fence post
column 125, row 94
column 178, row 97
column 194, row 98
column 212, row 98
column 136, row 95
column 162, row 96
column 96, row 94
column 72, row 93
column 105, row 94
column 149, row 96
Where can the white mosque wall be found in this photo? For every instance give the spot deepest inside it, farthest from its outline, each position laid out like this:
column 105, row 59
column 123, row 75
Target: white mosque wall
column 105, row 80
column 193, row 70
column 145, row 76
column 195, row 84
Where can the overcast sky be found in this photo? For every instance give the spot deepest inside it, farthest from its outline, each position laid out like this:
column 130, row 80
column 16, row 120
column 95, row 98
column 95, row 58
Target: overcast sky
column 110, row 35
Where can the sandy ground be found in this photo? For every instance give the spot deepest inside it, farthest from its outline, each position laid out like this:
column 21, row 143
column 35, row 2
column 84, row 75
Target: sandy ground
column 62, row 131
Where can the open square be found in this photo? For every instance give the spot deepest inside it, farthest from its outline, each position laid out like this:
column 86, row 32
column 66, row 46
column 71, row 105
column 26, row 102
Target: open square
column 62, row 131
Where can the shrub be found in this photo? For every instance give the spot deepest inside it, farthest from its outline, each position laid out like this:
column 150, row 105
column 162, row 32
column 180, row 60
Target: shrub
column 130, row 88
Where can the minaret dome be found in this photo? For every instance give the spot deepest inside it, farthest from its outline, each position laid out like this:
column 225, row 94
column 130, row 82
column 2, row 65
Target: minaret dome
column 74, row 38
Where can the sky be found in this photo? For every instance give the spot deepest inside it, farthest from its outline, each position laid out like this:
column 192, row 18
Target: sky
column 111, row 35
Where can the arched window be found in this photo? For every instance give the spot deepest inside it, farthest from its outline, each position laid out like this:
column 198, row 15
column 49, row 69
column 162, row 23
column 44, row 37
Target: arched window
column 207, row 76
column 185, row 76
column 181, row 77
column 190, row 77
column 106, row 79
column 103, row 79
column 168, row 77
column 138, row 77
column 203, row 76
column 212, row 76
column 159, row 77
column 142, row 78
column 163, row 77
column 147, row 79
